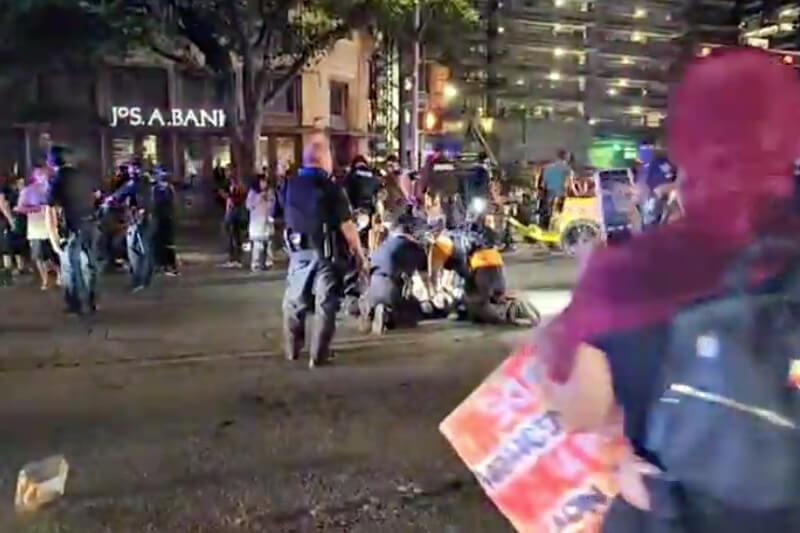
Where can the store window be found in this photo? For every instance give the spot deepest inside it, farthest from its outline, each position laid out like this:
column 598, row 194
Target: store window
column 286, row 151
column 150, row 150
column 221, row 151
column 122, row 150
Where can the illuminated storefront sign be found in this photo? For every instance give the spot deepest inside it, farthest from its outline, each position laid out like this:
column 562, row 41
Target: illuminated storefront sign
column 173, row 118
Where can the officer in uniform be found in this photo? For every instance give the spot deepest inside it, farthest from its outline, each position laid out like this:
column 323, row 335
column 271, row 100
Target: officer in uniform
column 73, row 194
column 319, row 232
column 361, row 186
column 398, row 258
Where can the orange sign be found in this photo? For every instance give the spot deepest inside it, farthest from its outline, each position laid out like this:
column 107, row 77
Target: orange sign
column 543, row 479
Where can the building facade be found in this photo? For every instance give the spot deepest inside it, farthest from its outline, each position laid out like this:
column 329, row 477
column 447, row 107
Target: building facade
column 176, row 117
column 561, row 72
column 771, row 24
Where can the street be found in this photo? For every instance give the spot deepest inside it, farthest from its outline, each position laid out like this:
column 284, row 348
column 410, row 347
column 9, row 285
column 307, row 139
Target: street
column 177, row 413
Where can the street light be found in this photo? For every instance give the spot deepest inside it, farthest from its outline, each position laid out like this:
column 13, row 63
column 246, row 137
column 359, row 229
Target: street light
column 450, row 91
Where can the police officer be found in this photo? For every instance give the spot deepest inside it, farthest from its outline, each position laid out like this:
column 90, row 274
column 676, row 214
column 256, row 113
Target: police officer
column 361, row 186
column 73, row 194
column 319, row 232
column 386, row 304
column 136, row 195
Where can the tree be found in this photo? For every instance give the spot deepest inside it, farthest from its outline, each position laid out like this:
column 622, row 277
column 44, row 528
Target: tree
column 41, row 36
column 255, row 48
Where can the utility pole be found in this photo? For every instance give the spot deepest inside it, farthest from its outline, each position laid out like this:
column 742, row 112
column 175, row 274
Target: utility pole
column 415, row 87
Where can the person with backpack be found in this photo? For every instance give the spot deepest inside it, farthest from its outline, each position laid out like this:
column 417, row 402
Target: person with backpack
column 689, row 330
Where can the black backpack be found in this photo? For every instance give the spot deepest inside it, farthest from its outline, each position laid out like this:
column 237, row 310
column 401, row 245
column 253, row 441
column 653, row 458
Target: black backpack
column 726, row 425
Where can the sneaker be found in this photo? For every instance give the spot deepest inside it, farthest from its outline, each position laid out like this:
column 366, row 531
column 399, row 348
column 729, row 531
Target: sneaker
column 269, row 266
column 316, row 363
column 172, row 273
column 379, row 320
column 138, row 288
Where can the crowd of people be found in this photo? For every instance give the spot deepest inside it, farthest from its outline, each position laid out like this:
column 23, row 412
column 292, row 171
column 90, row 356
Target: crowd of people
column 62, row 226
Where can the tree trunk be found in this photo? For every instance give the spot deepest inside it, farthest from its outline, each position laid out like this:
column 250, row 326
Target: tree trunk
column 245, row 139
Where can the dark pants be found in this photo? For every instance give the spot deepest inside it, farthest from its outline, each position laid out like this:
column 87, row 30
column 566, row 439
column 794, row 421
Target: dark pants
column 313, row 285
column 140, row 253
column 79, row 270
column 234, row 231
column 164, row 243
column 403, row 311
column 353, row 288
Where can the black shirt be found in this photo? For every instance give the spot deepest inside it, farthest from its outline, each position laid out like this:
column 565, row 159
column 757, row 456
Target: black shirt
column 362, row 187
column 399, row 255
column 74, row 194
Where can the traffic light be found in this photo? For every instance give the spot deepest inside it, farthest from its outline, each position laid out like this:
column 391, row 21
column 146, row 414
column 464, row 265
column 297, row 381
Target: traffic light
column 431, row 121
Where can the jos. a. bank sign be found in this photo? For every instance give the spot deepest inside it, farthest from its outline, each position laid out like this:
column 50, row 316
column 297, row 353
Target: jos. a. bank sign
column 173, row 118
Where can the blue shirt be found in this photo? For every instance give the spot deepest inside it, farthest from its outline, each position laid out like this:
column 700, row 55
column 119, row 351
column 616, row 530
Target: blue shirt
column 309, row 200
column 555, row 178
column 656, row 173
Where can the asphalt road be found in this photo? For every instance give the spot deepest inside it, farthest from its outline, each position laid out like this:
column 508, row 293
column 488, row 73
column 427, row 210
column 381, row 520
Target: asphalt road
column 200, row 428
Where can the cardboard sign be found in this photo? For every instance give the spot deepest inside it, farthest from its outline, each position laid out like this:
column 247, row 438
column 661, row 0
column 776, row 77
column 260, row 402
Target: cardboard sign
column 542, row 479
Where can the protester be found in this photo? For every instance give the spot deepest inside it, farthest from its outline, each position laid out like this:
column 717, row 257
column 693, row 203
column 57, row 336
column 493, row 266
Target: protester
column 32, row 203
column 164, row 223
column 555, row 177
column 733, row 131
column 73, row 194
column 260, row 201
column 12, row 262
column 235, row 219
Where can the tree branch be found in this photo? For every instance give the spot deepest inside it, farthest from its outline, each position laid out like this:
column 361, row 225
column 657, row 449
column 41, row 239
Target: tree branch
column 315, row 46
column 167, row 54
column 238, row 27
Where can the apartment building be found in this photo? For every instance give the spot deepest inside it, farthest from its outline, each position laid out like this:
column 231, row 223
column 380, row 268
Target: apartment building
column 771, row 24
column 563, row 72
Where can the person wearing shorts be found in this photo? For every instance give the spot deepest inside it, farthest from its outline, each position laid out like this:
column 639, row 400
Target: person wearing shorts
column 32, row 202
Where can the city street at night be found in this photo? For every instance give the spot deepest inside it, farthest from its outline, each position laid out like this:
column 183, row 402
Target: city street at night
column 179, row 414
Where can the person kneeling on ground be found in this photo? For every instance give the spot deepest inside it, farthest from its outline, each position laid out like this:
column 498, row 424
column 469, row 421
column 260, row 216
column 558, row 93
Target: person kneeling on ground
column 387, row 303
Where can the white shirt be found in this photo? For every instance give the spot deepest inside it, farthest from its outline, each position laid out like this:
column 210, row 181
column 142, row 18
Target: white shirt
column 261, row 225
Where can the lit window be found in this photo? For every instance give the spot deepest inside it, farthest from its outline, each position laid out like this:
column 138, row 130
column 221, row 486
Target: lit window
column 613, row 92
column 558, row 52
column 640, row 13
column 559, row 3
column 520, row 82
column 555, row 76
column 623, row 82
column 627, row 60
column 636, row 110
column 637, row 37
